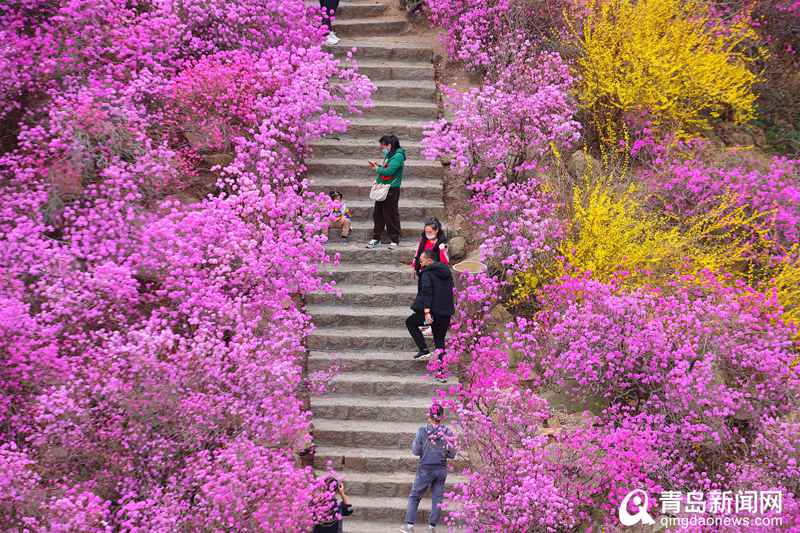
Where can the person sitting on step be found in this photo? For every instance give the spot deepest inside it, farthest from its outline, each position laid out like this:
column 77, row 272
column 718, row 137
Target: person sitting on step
column 341, row 214
column 433, row 444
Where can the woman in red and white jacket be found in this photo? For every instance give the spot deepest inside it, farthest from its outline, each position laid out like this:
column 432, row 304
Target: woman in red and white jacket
column 432, row 238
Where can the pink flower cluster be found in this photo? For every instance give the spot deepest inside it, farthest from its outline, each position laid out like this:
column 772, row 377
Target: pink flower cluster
column 151, row 340
column 507, row 125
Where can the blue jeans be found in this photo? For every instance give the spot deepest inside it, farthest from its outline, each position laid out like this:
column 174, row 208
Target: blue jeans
column 427, row 476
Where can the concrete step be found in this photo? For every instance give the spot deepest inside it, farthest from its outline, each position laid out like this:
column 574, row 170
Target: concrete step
column 362, row 231
column 367, row 297
column 343, row 407
column 391, row 48
column 359, row 188
column 356, row 252
column 358, row 169
column 378, row 70
column 415, row 90
column 383, row 385
column 406, row 130
column 397, row 363
column 362, row 148
column 373, row 460
column 388, row 484
column 354, row 27
column 358, row 316
column 391, row 109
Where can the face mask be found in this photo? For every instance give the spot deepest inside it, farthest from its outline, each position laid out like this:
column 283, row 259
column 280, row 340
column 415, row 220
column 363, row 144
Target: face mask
column 385, row 151
column 430, row 236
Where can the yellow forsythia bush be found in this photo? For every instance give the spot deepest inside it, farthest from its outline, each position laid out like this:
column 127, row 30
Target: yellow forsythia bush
column 669, row 58
column 612, row 235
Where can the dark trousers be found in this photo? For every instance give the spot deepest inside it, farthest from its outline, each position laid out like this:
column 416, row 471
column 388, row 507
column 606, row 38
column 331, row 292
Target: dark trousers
column 427, row 476
column 387, row 215
column 330, row 11
column 440, row 326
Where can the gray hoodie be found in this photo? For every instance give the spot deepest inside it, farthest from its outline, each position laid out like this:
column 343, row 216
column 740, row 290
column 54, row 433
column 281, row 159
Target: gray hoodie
column 431, row 446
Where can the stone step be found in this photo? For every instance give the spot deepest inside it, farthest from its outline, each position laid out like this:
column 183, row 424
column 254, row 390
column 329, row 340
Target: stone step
column 359, row 188
column 364, row 526
column 385, row 48
column 397, row 363
column 337, row 432
column 362, row 231
column 373, row 460
column 391, row 109
column 356, row 9
column 358, row 316
column 384, row 385
column 367, row 296
column 363, row 339
column 354, row 27
column 406, row 130
column 378, row 70
column 362, row 148
column 343, row 407
column 388, row 484
column 392, row 511
column 358, row 169
column 420, row 90
column 369, row 273
column 356, row 252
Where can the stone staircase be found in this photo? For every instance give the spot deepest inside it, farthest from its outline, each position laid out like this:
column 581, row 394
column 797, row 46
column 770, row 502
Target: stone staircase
column 365, row 427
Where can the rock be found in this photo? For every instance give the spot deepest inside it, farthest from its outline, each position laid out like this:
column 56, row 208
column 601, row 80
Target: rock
column 741, row 138
column 221, row 159
column 457, row 248
column 579, row 163
column 500, row 316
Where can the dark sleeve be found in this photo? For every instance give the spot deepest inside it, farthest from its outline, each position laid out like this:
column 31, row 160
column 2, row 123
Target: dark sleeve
column 451, row 450
column 345, row 510
column 426, row 291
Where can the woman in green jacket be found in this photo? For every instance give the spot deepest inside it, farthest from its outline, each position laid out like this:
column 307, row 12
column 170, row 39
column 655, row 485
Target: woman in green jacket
column 386, row 214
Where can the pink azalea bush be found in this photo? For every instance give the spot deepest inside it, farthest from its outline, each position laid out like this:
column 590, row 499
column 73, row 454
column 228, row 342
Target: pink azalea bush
column 151, row 340
column 508, row 124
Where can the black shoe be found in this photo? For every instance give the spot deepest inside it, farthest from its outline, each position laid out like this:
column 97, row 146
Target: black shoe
column 422, row 355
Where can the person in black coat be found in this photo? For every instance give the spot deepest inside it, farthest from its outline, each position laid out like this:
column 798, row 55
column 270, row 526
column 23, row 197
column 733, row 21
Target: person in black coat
column 433, row 304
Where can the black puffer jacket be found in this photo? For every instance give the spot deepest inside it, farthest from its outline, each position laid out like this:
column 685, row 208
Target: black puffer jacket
column 435, row 290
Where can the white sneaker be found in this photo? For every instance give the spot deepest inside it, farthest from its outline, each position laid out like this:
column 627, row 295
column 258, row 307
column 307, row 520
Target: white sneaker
column 393, row 245
column 408, row 528
column 373, row 243
column 332, row 39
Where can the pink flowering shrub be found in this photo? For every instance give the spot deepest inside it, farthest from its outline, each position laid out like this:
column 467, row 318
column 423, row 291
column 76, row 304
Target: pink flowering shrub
column 151, row 341
column 479, row 33
column 686, row 188
column 692, row 362
column 506, row 126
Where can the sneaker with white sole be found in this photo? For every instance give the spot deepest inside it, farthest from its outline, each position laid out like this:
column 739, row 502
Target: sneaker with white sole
column 408, row 528
column 393, row 245
column 373, row 243
column 332, row 39
column 422, row 355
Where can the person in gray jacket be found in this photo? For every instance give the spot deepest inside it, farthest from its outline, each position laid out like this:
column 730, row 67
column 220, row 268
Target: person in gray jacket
column 433, row 444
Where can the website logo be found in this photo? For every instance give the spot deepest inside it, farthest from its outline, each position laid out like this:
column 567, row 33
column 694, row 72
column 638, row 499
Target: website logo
column 641, row 501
